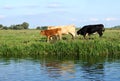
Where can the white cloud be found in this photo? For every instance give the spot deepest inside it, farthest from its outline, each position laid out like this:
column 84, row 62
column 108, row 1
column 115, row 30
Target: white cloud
column 111, row 19
column 73, row 19
column 2, row 16
column 8, row 7
column 31, row 6
column 54, row 5
column 94, row 19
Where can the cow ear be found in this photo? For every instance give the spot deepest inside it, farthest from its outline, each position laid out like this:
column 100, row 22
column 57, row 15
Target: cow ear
column 41, row 31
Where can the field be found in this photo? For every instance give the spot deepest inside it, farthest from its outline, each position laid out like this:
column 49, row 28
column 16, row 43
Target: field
column 29, row 43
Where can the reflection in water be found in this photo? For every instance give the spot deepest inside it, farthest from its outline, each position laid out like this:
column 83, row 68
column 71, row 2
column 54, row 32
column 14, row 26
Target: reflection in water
column 93, row 68
column 86, row 68
column 52, row 69
column 55, row 69
column 93, row 72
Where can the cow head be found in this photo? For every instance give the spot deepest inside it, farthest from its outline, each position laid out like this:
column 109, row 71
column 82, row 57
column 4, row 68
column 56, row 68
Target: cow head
column 42, row 32
column 78, row 32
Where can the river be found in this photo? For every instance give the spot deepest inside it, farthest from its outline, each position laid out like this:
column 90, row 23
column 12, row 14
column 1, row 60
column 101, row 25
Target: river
column 87, row 69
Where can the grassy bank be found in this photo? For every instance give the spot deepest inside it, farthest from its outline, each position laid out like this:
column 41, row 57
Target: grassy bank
column 18, row 43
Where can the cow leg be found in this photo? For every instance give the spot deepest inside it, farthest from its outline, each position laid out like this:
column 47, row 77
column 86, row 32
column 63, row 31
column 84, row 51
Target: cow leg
column 48, row 38
column 87, row 36
column 54, row 37
column 51, row 38
column 60, row 36
column 84, row 35
column 73, row 35
column 100, row 33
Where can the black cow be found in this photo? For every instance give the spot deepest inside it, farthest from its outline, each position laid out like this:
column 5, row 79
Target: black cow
column 90, row 29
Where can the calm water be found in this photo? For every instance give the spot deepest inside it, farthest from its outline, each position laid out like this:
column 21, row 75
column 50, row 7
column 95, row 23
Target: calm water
column 84, row 69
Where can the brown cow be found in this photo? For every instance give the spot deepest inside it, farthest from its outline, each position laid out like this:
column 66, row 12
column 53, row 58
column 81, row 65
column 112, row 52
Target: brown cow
column 51, row 32
column 65, row 29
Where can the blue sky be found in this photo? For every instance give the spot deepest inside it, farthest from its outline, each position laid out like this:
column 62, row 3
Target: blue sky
column 60, row 12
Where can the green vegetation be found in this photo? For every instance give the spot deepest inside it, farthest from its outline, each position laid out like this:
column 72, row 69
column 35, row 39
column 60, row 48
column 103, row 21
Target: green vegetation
column 115, row 28
column 29, row 43
column 24, row 25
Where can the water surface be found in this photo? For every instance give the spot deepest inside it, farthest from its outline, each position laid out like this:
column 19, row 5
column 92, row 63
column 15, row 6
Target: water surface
column 45, row 69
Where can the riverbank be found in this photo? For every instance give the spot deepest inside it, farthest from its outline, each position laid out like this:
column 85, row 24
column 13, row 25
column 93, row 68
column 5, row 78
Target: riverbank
column 17, row 43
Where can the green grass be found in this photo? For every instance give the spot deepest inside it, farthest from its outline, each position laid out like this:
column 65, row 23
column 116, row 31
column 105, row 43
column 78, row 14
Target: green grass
column 29, row 43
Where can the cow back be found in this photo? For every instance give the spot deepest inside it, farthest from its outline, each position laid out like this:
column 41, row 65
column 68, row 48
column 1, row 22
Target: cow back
column 51, row 32
column 65, row 29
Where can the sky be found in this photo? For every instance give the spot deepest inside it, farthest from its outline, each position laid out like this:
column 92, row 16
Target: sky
column 60, row 12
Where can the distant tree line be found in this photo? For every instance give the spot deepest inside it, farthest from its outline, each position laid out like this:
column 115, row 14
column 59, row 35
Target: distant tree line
column 118, row 27
column 115, row 27
column 24, row 25
column 41, row 27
